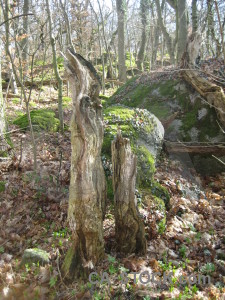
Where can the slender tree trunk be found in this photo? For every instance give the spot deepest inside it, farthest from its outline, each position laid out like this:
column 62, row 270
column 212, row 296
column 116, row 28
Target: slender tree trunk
column 3, row 143
column 68, row 27
column 130, row 231
column 182, row 33
column 24, row 42
column 12, row 75
column 211, row 29
column 168, row 39
column 194, row 16
column 221, row 30
column 144, row 15
column 87, row 185
column 120, row 6
column 55, row 66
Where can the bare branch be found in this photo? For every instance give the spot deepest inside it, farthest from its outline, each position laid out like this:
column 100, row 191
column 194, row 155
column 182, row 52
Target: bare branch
column 15, row 17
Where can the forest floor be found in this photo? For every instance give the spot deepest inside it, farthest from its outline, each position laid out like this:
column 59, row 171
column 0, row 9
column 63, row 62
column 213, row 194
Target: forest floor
column 33, row 210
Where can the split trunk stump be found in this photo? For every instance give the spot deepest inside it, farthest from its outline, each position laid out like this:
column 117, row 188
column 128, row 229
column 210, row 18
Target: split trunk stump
column 87, row 185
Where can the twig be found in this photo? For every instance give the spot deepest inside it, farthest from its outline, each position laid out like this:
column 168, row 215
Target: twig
column 60, row 276
column 21, row 152
column 60, row 167
column 19, row 129
column 222, row 162
column 220, row 127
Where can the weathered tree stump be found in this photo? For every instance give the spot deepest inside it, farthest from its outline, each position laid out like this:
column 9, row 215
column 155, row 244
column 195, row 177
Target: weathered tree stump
column 130, row 231
column 87, row 185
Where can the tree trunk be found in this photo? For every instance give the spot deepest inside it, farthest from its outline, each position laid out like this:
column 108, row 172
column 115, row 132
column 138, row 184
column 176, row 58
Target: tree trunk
column 7, row 47
column 87, row 185
column 221, row 30
column 24, row 42
column 194, row 16
column 3, row 143
column 182, row 31
column 211, row 29
column 168, row 39
column 130, row 231
column 120, row 6
column 68, row 26
column 57, row 75
column 144, row 15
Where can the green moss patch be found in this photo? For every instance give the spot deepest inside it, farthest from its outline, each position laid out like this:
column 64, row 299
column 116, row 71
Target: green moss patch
column 42, row 119
column 160, row 192
column 123, row 88
column 151, row 96
column 2, row 186
column 66, row 101
column 115, row 116
column 145, row 167
column 15, row 100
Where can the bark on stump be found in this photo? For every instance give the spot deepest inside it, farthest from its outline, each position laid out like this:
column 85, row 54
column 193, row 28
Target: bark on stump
column 87, row 186
column 130, row 231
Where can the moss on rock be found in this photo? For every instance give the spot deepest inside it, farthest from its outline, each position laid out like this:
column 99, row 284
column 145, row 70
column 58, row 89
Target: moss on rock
column 35, row 255
column 42, row 119
column 160, row 192
column 145, row 167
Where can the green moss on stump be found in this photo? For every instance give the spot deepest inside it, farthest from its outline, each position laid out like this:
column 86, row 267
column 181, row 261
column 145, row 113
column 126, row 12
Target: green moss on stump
column 42, row 119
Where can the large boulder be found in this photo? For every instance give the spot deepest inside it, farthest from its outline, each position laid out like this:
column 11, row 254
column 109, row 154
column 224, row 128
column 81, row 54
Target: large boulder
column 185, row 115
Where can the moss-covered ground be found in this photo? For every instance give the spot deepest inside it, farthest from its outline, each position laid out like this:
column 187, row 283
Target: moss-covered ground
column 42, row 119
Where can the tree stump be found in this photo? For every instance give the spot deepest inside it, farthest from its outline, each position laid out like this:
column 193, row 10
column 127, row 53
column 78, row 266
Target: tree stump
column 130, row 232
column 87, row 185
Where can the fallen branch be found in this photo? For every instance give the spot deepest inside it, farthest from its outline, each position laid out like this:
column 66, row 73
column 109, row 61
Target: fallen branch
column 212, row 93
column 198, row 148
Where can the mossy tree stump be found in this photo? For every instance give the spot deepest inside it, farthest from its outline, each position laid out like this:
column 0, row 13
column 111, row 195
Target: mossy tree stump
column 129, row 228
column 87, row 185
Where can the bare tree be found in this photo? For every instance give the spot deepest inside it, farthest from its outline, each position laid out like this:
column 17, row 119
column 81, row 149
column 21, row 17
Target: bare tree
column 7, row 47
column 194, row 15
column 182, row 28
column 25, row 40
column 2, row 110
column 121, row 7
column 144, row 11
column 168, row 38
column 55, row 66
